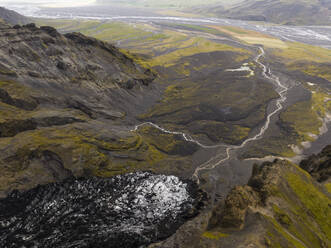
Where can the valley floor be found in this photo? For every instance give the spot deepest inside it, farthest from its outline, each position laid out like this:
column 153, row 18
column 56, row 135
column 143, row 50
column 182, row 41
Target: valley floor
column 208, row 97
column 200, row 99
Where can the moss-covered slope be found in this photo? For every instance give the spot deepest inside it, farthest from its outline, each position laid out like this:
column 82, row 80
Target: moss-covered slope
column 281, row 206
column 67, row 104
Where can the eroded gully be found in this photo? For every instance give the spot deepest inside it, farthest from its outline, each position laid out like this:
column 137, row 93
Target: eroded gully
column 219, row 159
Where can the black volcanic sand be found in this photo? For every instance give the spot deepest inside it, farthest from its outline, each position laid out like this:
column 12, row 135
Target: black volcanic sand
column 132, row 210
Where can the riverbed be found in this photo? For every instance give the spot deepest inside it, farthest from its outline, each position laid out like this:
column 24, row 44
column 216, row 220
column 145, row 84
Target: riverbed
column 314, row 35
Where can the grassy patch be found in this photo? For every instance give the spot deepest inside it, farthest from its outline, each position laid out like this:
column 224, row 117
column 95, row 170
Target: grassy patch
column 167, row 143
column 321, row 103
column 252, row 37
column 328, row 187
column 291, row 242
column 301, row 119
column 108, row 31
column 300, row 229
column 297, row 52
column 191, row 47
column 173, row 12
column 321, row 70
column 214, row 235
column 271, row 146
column 200, row 28
column 313, row 200
column 218, row 110
column 304, row 118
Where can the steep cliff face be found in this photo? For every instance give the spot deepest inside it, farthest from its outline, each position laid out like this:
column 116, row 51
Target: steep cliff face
column 319, row 166
column 281, row 206
column 64, row 101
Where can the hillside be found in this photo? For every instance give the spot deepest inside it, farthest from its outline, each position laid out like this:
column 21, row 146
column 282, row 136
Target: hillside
column 164, row 140
column 12, row 17
column 301, row 12
column 166, row 4
column 281, row 206
column 289, row 12
column 60, row 97
column 67, row 107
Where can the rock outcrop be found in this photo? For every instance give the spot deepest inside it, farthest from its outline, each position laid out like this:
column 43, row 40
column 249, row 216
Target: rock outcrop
column 69, row 96
column 68, row 104
column 319, row 166
column 281, row 206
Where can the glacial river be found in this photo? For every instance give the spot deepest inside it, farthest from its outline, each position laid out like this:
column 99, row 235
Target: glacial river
column 315, row 35
column 219, row 159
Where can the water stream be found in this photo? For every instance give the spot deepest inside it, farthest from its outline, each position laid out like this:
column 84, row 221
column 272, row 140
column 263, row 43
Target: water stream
column 219, row 159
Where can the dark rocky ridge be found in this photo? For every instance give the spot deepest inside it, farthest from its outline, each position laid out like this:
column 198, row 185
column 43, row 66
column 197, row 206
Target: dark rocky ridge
column 70, row 71
column 281, row 206
column 67, row 103
column 319, row 166
column 127, row 211
column 69, row 95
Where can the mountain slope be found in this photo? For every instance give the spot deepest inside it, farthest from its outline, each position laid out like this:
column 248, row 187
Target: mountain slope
column 281, row 206
column 300, row 12
column 319, row 166
column 12, row 17
column 61, row 98
column 165, row 3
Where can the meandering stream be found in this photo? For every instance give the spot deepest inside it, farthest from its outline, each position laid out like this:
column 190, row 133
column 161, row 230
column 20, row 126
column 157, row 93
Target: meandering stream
column 219, row 159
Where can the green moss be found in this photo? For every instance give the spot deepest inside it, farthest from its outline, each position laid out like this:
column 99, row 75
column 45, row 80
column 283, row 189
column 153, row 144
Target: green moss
column 298, row 122
column 199, row 107
column 8, row 72
column 273, row 240
column 236, row 30
column 316, row 70
column 301, row 118
column 281, row 216
column 102, row 154
column 313, row 200
column 214, row 235
column 203, row 29
column 220, row 131
column 167, row 143
column 328, row 187
column 321, row 103
column 298, row 52
column 191, row 47
column 279, row 233
column 298, row 226
column 81, row 147
column 15, row 89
